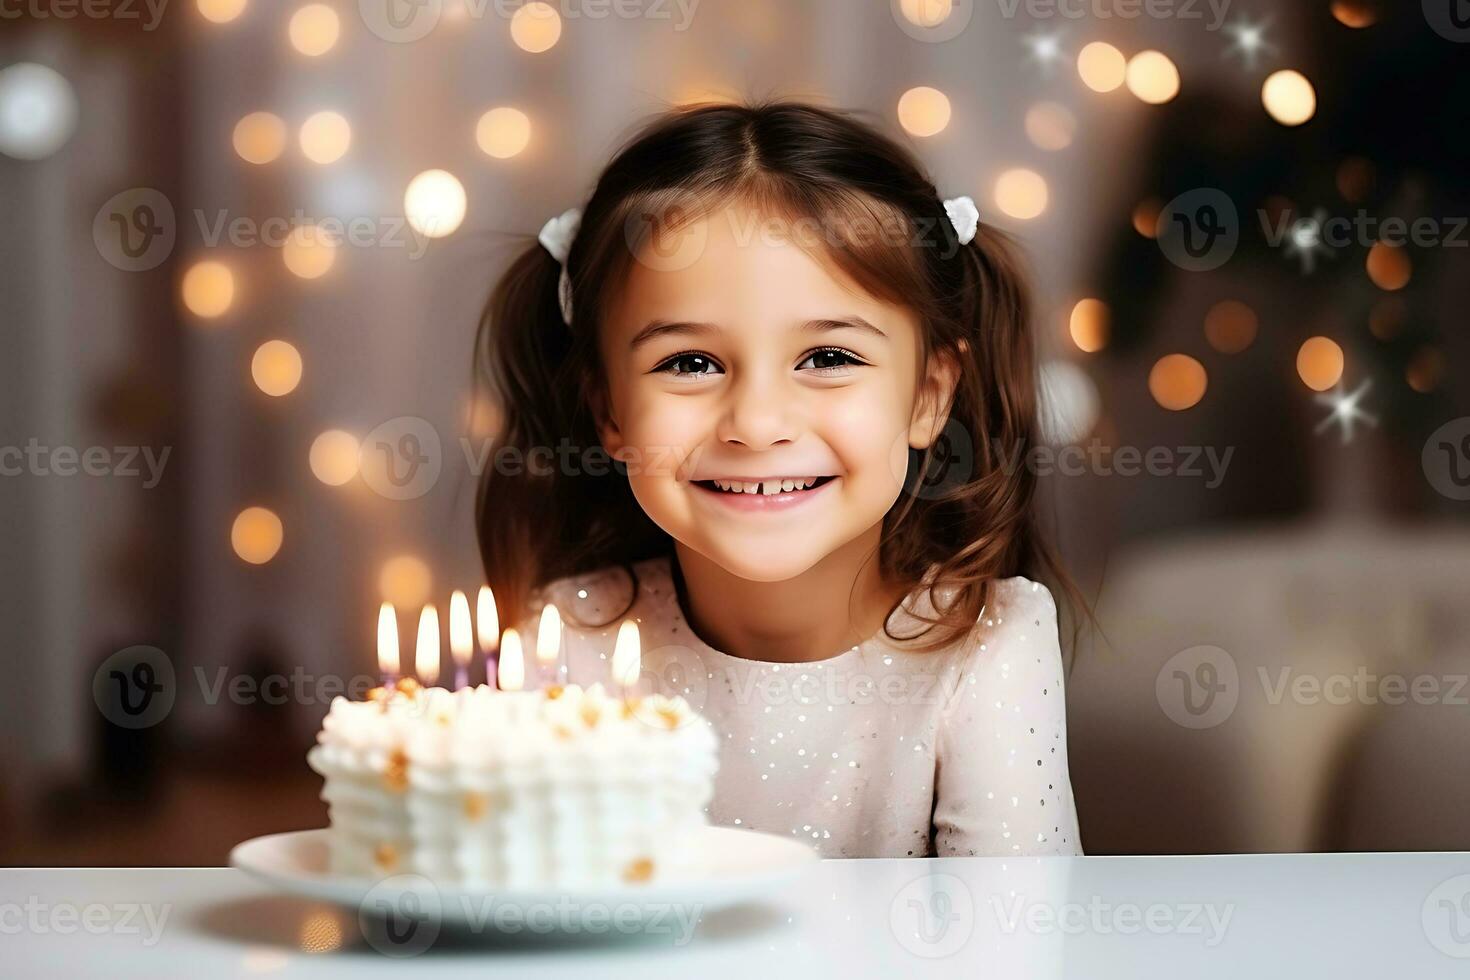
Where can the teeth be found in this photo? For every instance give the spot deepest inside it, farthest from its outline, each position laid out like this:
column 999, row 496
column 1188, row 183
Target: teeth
column 766, row 488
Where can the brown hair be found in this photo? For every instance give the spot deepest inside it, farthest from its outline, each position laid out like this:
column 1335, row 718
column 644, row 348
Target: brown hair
column 797, row 162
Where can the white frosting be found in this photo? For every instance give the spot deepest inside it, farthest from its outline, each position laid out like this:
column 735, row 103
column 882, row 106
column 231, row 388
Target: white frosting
column 499, row 788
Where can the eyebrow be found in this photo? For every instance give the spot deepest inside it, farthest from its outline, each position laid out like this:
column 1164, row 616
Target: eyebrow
column 680, row 328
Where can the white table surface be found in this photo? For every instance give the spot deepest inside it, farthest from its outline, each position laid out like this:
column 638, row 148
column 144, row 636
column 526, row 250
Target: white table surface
column 1337, row 915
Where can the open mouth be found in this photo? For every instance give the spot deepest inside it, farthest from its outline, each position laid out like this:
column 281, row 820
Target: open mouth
column 768, row 487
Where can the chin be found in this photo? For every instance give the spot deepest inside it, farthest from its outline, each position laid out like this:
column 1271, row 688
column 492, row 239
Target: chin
column 753, row 561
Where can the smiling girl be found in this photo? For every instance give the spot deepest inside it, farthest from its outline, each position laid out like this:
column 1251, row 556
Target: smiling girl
column 811, row 369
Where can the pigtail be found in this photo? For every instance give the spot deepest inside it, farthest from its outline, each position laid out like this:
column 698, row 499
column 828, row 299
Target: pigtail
column 550, row 503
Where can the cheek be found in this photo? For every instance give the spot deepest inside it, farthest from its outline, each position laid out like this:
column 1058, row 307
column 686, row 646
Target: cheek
column 664, row 431
column 869, row 433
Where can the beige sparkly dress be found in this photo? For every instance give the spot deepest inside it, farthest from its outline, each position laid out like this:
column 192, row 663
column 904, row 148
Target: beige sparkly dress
column 875, row 752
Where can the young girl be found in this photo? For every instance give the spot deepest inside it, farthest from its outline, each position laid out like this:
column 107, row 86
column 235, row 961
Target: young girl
column 810, row 370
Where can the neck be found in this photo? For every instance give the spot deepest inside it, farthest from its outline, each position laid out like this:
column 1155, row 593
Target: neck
column 830, row 608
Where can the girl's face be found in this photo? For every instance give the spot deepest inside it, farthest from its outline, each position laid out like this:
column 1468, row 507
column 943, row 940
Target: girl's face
column 744, row 361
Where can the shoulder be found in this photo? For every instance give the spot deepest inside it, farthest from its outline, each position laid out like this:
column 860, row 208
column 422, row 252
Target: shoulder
column 1015, row 644
column 1018, row 598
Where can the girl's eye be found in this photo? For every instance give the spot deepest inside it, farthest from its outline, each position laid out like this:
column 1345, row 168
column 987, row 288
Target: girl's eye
column 831, row 360
column 688, row 364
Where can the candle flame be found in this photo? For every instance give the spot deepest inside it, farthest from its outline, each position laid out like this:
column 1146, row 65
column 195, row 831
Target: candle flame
column 512, row 665
column 548, row 637
column 627, row 660
column 486, row 620
column 461, row 642
column 387, row 639
column 426, row 656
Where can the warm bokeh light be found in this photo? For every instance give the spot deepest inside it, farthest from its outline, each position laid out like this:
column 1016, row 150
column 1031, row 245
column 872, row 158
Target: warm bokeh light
column 321, row 932
column 1089, row 325
column 1289, row 97
column 1146, row 217
column 503, row 132
column 333, row 457
column 1354, row 13
column 309, row 251
column 1355, row 179
column 926, row 13
column 1152, row 77
column 1386, row 320
column 1050, row 126
column 276, row 368
column 434, row 203
column 1319, row 362
column 1177, row 382
column 1425, row 370
column 405, row 580
column 923, row 111
column 325, row 137
column 221, row 11
column 536, row 27
column 1231, row 326
column 260, row 137
column 256, row 535
column 208, row 288
column 1021, row 193
column 1389, row 267
column 1101, row 66
column 314, row 29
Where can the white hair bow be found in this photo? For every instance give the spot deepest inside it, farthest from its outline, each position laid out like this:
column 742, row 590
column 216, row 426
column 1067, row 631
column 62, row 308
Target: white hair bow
column 556, row 237
column 964, row 216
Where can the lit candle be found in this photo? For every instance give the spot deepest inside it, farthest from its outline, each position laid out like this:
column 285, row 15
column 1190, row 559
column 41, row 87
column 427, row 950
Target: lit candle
column 627, row 660
column 426, row 656
column 461, row 642
column 548, row 644
column 487, row 622
column 387, row 644
column 512, row 663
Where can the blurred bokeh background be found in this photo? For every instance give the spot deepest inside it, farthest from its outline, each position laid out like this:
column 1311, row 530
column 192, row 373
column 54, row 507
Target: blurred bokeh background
column 246, row 246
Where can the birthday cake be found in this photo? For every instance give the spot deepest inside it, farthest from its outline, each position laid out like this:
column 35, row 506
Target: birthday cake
column 566, row 786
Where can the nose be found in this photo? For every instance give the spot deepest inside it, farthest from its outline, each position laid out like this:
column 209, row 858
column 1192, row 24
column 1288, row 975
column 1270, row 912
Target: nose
column 759, row 413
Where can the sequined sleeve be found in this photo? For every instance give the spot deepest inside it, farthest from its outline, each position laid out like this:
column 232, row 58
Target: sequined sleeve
column 1002, row 784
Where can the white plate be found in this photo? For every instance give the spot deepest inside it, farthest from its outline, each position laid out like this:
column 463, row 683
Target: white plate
column 735, row 866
